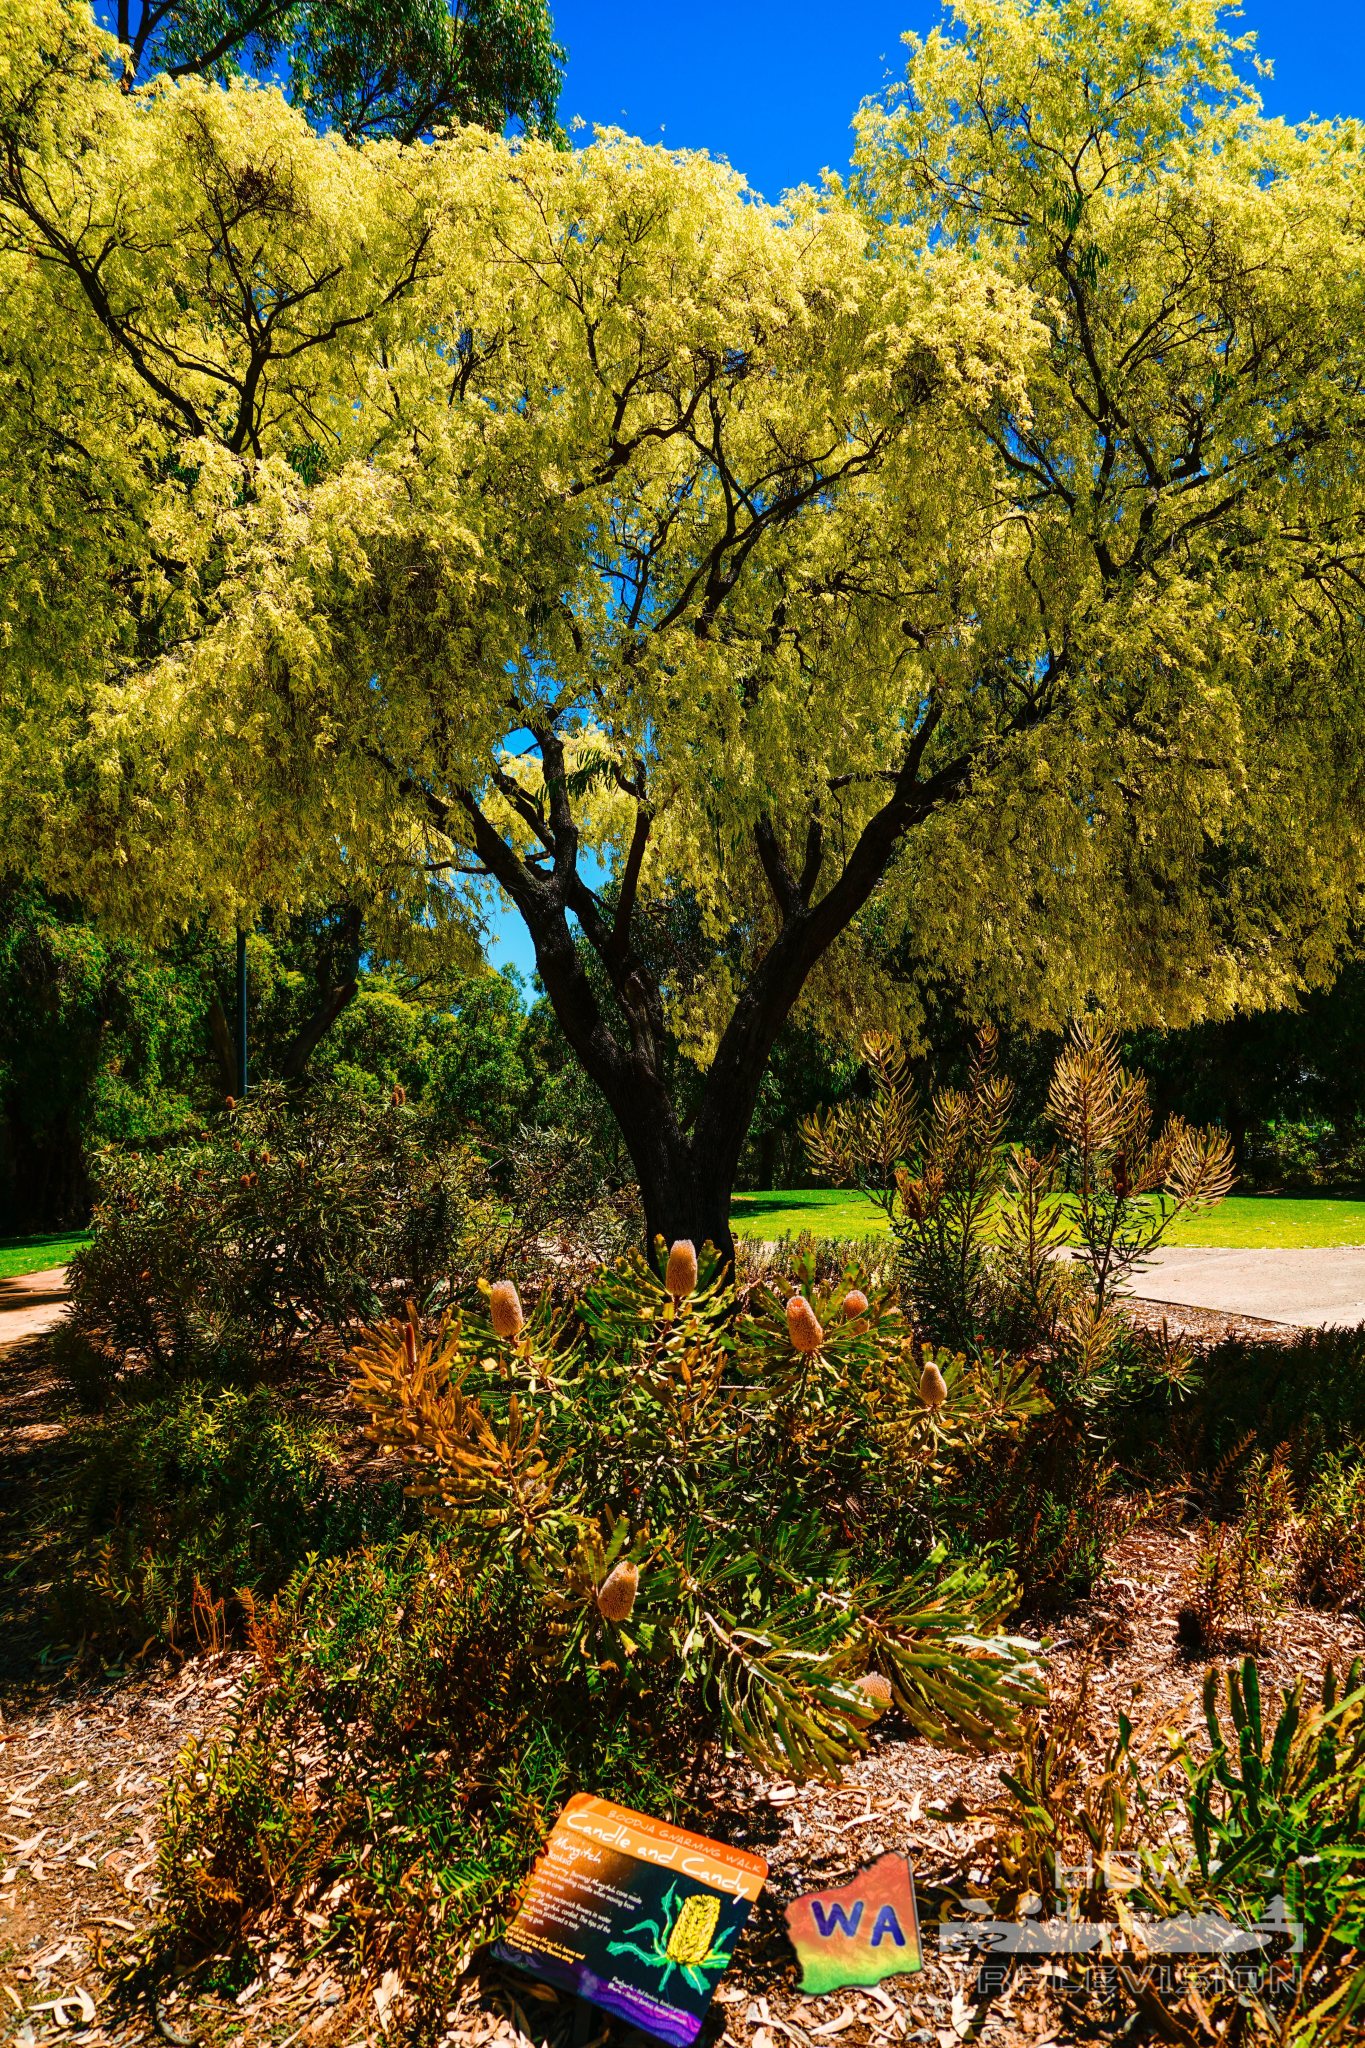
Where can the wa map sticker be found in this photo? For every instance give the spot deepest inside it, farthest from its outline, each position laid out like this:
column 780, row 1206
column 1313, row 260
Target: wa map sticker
column 865, row 1931
column 636, row 1916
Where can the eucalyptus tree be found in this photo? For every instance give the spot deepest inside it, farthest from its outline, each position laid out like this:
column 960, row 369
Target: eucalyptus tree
column 366, row 68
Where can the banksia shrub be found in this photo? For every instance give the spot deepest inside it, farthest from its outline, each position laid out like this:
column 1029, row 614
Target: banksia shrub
column 504, row 1306
column 616, row 1594
column 681, row 1276
column 877, row 1688
column 806, row 1333
column 933, row 1388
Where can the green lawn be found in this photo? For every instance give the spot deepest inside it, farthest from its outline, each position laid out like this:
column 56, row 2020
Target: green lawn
column 36, row 1254
column 1243, row 1221
column 1246, row 1222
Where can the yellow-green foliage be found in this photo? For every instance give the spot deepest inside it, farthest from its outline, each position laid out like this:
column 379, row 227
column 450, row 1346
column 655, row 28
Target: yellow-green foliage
column 700, row 1505
column 978, row 534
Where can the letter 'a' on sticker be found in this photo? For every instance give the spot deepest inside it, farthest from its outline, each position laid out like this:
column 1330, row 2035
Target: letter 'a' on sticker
column 859, row 1934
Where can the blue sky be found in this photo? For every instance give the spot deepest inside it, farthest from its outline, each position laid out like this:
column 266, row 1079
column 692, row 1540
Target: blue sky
column 773, row 86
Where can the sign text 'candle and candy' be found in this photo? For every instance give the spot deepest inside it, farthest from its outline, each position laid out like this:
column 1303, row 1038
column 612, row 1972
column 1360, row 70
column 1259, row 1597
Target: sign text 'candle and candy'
column 636, row 1916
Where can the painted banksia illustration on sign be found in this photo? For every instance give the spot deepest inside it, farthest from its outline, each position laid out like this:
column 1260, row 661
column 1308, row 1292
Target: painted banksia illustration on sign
column 684, row 1945
column 635, row 1915
column 690, row 1941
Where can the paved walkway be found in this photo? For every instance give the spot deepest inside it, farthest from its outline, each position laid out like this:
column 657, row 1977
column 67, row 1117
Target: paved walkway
column 1314, row 1288
column 30, row 1303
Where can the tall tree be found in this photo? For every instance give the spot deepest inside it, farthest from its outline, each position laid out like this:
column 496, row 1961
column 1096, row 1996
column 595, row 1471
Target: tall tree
column 366, row 68
column 973, row 557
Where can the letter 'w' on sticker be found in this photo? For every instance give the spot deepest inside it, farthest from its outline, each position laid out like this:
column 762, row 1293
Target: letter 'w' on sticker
column 833, row 1919
column 859, row 1934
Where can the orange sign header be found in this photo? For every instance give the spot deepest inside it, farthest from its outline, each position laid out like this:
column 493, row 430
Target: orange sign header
column 654, row 1841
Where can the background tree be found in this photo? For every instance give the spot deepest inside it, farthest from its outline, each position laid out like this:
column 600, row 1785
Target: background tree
column 107, row 1041
column 367, row 68
column 100, row 1041
column 974, row 557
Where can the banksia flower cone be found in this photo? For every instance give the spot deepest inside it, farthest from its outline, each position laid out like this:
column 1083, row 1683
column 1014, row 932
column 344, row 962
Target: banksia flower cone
column 616, row 1594
column 806, row 1333
column 229, row 1102
column 877, row 1688
column 933, row 1388
column 504, row 1305
column 400, row 1095
column 855, row 1304
column 681, row 1277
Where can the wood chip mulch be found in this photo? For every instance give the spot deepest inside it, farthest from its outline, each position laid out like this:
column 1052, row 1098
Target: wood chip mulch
column 81, row 1767
column 1203, row 1328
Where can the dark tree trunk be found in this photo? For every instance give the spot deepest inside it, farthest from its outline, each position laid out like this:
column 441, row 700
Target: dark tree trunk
column 307, row 1040
column 222, row 1047
column 683, row 1199
column 686, row 1176
column 334, row 1000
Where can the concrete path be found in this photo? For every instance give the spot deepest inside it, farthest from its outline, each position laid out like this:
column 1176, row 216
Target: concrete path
column 31, row 1303
column 1314, row 1288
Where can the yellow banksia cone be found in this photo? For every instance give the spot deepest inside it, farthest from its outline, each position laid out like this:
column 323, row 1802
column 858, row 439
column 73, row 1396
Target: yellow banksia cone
column 877, row 1688
column 805, row 1332
column 504, row 1305
column 616, row 1594
column 855, row 1304
column 690, row 1941
column 681, row 1276
column 933, row 1388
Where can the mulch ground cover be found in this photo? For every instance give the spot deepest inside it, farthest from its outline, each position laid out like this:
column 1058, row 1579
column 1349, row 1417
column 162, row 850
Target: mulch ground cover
column 82, row 1763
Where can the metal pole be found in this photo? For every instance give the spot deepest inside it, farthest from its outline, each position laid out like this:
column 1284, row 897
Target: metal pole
column 241, row 1012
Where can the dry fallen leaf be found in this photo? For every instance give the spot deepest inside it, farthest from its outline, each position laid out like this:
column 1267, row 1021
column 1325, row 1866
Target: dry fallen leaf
column 847, row 2018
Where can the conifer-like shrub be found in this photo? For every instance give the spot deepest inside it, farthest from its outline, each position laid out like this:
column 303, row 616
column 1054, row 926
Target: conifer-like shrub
column 294, row 1218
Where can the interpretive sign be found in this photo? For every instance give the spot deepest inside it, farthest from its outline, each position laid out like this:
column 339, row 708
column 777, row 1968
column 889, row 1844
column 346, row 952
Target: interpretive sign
column 634, row 1915
column 866, row 1931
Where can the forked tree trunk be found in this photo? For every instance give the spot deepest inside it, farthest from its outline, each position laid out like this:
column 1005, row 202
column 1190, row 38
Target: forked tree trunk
column 686, row 1176
column 685, row 1195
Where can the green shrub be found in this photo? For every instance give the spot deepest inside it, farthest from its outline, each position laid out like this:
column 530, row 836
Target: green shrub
column 1260, row 1825
column 1186, row 1426
column 669, row 1524
column 396, row 1757
column 1317, row 1153
column 282, row 1225
column 176, row 1508
column 298, row 1216
column 1329, row 1534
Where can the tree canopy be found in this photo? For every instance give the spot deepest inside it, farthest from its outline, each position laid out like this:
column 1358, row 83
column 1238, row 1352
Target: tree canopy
column 966, row 560
column 367, row 68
